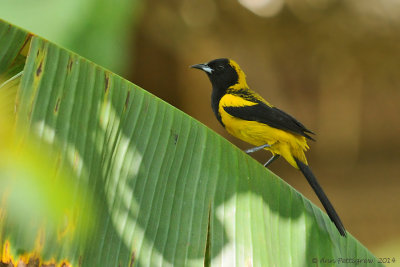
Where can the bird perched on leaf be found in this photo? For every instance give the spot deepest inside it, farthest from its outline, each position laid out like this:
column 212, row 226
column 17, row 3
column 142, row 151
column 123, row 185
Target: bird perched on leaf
column 249, row 117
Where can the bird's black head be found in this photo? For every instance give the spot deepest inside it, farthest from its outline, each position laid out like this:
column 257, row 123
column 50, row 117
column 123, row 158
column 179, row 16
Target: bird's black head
column 222, row 73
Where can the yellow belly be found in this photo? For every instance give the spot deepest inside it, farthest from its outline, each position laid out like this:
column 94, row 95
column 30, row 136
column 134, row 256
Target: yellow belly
column 284, row 143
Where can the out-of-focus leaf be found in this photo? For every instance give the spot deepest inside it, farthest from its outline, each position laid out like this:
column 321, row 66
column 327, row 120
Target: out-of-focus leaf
column 100, row 30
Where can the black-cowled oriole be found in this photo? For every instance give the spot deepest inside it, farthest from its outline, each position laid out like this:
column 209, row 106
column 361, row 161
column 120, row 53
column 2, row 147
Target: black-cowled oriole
column 249, row 117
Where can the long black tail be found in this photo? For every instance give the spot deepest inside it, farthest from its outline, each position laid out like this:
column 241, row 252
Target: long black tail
column 321, row 195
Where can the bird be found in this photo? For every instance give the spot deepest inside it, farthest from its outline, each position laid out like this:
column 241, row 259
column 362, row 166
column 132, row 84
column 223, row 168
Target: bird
column 249, row 117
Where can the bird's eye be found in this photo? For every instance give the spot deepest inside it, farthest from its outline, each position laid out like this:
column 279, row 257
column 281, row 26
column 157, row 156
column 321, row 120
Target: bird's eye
column 220, row 67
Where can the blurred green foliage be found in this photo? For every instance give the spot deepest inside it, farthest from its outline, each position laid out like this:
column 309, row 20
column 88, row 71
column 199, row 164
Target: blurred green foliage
column 99, row 30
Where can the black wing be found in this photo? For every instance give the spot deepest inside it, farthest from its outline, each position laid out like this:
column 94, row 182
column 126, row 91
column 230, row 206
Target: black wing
column 271, row 116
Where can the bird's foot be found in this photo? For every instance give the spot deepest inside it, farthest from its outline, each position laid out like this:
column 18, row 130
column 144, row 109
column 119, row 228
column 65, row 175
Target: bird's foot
column 257, row 148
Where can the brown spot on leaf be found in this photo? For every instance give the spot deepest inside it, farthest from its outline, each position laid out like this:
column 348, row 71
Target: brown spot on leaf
column 57, row 105
column 132, row 259
column 39, row 69
column 69, row 66
column 26, row 46
column 106, row 82
column 33, row 262
column 175, row 136
column 65, row 263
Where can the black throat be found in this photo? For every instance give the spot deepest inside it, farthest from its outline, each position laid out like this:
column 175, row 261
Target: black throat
column 222, row 76
column 216, row 96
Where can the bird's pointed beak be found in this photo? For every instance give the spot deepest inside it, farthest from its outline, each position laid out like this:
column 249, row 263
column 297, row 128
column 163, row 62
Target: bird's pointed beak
column 203, row 67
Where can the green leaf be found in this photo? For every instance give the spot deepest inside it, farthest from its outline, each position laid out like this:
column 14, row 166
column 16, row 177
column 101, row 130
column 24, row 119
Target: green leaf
column 168, row 190
column 12, row 43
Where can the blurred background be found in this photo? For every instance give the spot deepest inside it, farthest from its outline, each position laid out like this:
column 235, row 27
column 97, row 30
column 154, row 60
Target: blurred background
column 334, row 65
